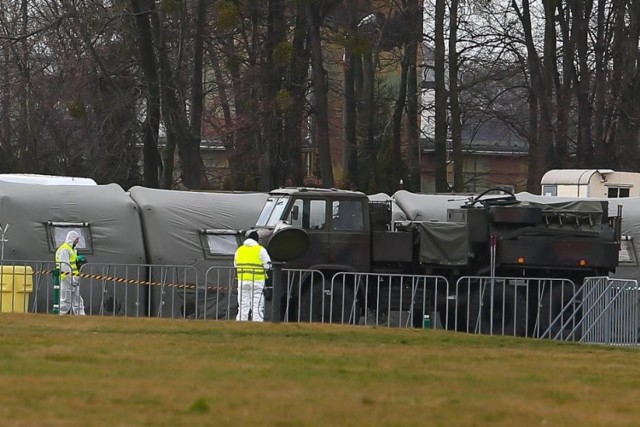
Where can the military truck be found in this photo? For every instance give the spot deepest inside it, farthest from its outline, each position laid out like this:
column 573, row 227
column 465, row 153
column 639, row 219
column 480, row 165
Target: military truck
column 486, row 236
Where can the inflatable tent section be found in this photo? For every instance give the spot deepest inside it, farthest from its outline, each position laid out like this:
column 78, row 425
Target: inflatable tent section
column 427, row 207
column 198, row 233
column 39, row 218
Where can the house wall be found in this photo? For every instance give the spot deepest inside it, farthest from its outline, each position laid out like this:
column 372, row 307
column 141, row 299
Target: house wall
column 481, row 171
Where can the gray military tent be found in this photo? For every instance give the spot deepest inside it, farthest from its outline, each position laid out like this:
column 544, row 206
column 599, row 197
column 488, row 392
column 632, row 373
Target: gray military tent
column 427, row 207
column 199, row 230
column 39, row 217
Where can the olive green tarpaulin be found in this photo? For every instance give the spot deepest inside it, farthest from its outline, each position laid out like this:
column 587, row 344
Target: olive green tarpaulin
column 444, row 243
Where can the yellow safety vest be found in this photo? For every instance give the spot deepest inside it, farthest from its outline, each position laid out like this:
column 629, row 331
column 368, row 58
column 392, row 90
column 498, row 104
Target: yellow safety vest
column 249, row 264
column 73, row 258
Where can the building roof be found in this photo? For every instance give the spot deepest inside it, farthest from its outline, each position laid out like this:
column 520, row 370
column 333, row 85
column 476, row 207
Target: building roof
column 486, row 137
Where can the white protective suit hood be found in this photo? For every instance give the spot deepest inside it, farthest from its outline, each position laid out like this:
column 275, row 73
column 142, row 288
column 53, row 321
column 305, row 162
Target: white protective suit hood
column 250, row 242
column 71, row 237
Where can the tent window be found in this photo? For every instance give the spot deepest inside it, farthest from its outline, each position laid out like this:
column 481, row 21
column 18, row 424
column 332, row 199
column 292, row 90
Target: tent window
column 549, row 190
column 57, row 233
column 222, row 243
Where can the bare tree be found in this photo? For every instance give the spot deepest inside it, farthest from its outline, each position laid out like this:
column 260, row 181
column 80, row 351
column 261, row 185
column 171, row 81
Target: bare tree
column 441, row 100
column 315, row 15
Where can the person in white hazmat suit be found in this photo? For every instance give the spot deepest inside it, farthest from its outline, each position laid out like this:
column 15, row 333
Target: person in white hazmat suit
column 252, row 261
column 67, row 261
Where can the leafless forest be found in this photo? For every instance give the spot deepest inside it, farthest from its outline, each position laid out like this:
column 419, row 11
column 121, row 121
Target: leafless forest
column 128, row 91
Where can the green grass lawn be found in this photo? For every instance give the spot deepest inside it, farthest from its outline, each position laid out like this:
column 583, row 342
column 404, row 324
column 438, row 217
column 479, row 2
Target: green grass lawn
column 93, row 371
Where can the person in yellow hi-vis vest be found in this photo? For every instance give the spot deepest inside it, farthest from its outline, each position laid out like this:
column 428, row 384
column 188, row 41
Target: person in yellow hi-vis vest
column 67, row 261
column 252, row 262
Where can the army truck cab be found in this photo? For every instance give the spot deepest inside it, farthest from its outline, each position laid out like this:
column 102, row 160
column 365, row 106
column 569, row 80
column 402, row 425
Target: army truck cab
column 336, row 223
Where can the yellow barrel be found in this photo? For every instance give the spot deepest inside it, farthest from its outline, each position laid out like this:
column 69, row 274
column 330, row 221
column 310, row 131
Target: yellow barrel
column 16, row 284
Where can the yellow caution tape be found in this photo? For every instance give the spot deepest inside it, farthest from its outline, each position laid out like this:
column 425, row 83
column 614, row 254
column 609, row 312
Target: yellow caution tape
column 136, row 282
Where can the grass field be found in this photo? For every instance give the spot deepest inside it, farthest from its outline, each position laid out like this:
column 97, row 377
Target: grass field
column 93, row 371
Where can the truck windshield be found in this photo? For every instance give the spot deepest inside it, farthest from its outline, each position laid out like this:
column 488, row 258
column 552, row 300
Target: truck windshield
column 272, row 211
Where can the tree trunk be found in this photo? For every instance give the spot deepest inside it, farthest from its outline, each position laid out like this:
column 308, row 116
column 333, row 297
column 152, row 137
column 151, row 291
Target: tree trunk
column 350, row 149
column 174, row 116
column 320, row 94
column 368, row 109
column 297, row 87
column 563, row 92
column 604, row 150
column 197, row 92
column 441, row 178
column 396, row 141
column 152, row 166
column 581, row 15
column 414, row 11
column 541, row 150
column 456, row 124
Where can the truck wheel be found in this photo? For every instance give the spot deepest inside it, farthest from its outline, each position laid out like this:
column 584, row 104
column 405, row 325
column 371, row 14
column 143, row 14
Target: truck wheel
column 463, row 311
column 319, row 303
column 509, row 312
column 556, row 315
column 309, row 303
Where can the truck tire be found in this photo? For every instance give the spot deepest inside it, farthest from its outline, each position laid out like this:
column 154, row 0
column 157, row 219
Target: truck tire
column 462, row 312
column 556, row 316
column 320, row 303
column 509, row 315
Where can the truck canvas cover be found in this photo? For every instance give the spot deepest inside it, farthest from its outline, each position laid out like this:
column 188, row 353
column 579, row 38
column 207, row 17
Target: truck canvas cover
column 444, row 243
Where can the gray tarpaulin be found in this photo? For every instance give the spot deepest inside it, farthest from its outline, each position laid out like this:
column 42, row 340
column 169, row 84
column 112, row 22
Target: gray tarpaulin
column 444, row 243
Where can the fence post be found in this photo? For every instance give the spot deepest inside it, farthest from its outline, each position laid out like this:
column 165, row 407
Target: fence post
column 277, row 292
column 56, row 291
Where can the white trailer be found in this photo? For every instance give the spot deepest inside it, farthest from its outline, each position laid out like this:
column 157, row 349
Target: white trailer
column 605, row 183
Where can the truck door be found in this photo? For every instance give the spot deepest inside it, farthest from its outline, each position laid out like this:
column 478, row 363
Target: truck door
column 349, row 241
column 311, row 215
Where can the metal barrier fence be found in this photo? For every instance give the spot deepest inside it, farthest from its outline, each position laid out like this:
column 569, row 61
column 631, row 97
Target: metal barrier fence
column 393, row 300
column 512, row 306
column 139, row 290
column 601, row 310
column 107, row 289
column 220, row 295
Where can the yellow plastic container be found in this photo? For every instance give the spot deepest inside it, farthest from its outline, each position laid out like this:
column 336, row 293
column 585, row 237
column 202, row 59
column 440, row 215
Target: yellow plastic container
column 16, row 284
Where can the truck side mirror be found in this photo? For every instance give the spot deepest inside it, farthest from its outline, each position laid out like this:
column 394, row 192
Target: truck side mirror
column 294, row 213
